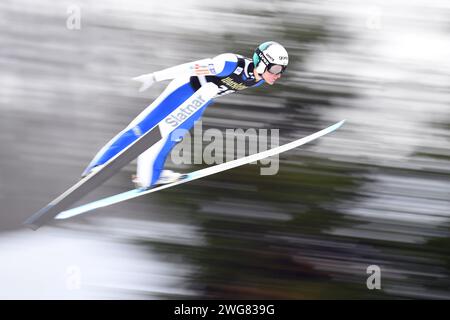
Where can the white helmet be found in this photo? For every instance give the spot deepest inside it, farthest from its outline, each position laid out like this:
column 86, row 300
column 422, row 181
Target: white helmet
column 270, row 56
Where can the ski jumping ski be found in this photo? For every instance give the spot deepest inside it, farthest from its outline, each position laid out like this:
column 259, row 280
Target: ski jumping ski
column 196, row 174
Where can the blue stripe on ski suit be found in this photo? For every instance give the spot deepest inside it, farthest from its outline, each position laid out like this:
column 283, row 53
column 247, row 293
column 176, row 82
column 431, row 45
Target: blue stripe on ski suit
column 170, row 103
column 158, row 164
column 229, row 67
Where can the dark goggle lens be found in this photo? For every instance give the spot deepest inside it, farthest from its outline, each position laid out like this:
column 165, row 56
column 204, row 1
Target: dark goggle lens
column 276, row 69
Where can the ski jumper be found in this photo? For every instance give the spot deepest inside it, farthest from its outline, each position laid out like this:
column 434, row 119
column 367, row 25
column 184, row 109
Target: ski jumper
column 182, row 103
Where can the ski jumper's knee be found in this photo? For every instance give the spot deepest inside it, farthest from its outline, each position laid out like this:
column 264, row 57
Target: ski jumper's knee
column 183, row 117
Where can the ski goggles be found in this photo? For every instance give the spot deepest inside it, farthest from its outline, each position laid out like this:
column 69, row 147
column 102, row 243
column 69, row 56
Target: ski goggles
column 276, row 68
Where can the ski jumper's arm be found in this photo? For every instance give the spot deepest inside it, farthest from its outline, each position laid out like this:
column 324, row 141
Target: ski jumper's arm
column 207, row 67
column 221, row 65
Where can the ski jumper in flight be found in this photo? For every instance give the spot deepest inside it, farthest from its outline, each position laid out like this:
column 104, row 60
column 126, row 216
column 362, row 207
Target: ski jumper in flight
column 194, row 87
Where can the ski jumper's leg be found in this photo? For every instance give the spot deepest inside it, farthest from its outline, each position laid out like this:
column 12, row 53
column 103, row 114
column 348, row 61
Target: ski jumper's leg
column 151, row 162
column 177, row 91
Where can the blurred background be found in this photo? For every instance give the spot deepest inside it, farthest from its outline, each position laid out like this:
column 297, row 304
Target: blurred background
column 375, row 192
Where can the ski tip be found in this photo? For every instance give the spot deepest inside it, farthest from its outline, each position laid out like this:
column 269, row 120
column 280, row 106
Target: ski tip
column 338, row 125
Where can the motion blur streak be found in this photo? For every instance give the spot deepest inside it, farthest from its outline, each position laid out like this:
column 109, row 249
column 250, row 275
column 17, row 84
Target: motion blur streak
column 376, row 192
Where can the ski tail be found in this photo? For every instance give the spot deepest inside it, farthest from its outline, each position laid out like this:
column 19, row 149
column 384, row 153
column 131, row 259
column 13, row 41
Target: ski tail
column 92, row 181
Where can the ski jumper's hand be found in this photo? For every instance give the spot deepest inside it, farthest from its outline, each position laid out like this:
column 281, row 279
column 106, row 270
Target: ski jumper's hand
column 147, row 81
